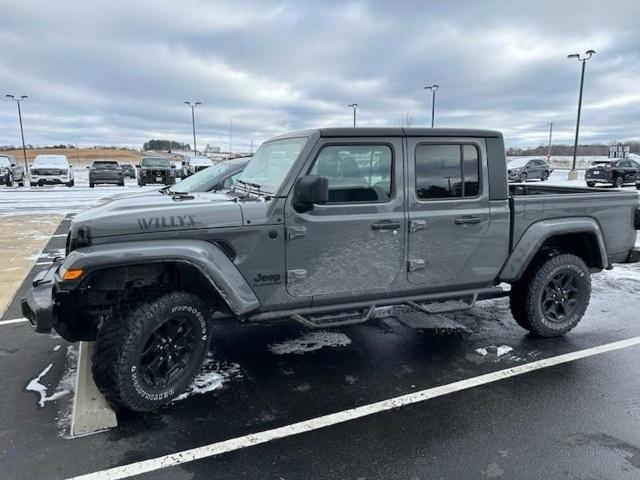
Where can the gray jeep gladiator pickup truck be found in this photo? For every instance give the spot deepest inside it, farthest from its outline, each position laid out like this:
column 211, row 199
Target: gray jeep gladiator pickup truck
column 324, row 227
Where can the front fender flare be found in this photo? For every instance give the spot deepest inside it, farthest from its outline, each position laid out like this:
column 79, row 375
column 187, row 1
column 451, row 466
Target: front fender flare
column 535, row 236
column 210, row 260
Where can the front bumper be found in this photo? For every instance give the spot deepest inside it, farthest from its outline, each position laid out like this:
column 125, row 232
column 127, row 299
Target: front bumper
column 106, row 179
column 49, row 180
column 38, row 305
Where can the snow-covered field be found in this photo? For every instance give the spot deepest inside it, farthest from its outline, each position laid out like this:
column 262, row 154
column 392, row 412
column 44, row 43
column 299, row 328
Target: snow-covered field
column 59, row 198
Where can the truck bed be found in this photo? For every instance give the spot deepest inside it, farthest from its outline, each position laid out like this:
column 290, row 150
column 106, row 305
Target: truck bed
column 613, row 210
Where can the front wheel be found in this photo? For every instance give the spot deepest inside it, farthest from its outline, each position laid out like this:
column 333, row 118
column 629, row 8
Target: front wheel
column 591, row 184
column 553, row 296
column 9, row 181
column 545, row 176
column 522, row 178
column 71, row 183
column 150, row 354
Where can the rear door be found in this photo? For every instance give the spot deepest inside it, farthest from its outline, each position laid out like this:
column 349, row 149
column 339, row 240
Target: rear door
column 452, row 239
column 355, row 242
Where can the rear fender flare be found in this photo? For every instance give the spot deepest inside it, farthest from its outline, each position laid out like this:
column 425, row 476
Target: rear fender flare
column 210, row 260
column 536, row 235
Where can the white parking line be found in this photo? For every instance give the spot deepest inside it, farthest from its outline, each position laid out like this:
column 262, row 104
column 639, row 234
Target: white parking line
column 233, row 444
column 15, row 320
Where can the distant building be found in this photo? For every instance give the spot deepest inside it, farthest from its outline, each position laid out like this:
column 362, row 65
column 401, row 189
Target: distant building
column 210, row 149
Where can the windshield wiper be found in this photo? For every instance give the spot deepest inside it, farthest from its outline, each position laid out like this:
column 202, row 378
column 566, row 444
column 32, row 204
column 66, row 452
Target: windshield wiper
column 256, row 190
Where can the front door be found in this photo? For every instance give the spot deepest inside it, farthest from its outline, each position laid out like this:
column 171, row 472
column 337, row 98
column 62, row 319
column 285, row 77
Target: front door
column 355, row 242
column 450, row 231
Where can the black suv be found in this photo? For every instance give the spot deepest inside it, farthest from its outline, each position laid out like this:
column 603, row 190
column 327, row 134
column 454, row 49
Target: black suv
column 103, row 171
column 156, row 170
column 617, row 172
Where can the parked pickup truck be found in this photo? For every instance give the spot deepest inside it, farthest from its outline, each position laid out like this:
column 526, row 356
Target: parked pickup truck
column 324, row 227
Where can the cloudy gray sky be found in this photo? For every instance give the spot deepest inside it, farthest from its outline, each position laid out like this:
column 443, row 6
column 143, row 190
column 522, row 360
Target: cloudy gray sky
column 118, row 72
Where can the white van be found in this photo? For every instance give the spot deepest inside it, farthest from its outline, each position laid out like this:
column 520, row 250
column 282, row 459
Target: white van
column 51, row 170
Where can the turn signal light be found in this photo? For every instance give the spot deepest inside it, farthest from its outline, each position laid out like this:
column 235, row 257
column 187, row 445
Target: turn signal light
column 72, row 274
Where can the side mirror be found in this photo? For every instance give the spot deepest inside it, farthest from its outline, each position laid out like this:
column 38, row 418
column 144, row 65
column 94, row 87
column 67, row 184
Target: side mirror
column 173, row 165
column 310, row 190
column 138, row 165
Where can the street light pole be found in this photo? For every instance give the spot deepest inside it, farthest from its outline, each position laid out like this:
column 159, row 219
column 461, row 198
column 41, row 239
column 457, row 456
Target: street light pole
column 550, row 134
column 193, row 122
column 573, row 175
column 355, row 107
column 434, row 88
column 24, row 148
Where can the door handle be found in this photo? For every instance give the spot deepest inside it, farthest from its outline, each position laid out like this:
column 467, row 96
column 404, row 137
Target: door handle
column 385, row 225
column 467, row 220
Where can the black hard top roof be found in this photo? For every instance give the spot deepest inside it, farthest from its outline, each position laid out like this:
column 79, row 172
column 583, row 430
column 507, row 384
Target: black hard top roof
column 394, row 132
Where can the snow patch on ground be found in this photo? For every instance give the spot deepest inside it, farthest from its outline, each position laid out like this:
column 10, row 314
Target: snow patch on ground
column 310, row 342
column 65, row 386
column 496, row 352
column 213, row 375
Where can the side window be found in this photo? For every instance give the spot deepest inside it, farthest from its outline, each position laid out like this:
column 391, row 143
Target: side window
column 356, row 173
column 447, row 171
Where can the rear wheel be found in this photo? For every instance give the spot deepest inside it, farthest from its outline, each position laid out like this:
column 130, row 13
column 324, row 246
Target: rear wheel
column 150, row 354
column 553, row 296
column 618, row 181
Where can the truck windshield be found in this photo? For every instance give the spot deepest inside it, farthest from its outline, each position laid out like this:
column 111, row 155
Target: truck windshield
column 155, row 162
column 271, row 163
column 195, row 182
column 5, row 162
column 106, row 165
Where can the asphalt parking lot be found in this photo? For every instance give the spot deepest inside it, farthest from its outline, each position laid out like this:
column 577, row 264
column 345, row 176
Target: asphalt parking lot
column 575, row 419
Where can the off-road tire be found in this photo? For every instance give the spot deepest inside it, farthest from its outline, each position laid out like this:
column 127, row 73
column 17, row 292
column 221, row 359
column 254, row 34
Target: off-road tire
column 118, row 350
column 526, row 295
column 591, row 184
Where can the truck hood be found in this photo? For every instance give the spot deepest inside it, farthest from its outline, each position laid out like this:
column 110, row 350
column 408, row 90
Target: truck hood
column 151, row 212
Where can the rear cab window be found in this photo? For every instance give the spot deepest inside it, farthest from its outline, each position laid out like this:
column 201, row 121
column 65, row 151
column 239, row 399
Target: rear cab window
column 446, row 171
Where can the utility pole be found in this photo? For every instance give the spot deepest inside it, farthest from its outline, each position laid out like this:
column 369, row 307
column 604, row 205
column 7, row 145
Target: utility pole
column 434, row 88
column 550, row 134
column 19, row 101
column 573, row 174
column 355, row 108
column 193, row 124
column 252, row 147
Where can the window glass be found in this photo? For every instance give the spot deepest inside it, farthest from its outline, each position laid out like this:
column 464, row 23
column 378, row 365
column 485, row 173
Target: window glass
column 230, row 181
column 634, row 164
column 471, row 171
column 356, row 173
column 447, row 171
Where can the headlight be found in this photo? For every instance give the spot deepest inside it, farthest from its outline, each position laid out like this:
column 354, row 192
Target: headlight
column 3, row 171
